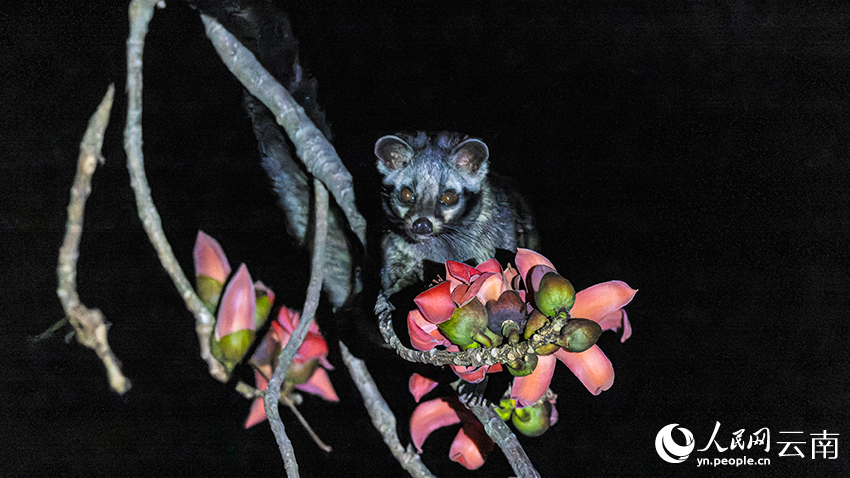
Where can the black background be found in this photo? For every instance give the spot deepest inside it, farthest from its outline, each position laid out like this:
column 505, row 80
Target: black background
column 696, row 150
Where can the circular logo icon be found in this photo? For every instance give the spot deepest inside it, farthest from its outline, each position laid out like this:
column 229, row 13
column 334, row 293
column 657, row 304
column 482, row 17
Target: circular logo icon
column 668, row 449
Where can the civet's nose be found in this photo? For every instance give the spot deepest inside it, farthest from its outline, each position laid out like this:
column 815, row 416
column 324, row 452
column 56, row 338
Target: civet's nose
column 422, row 226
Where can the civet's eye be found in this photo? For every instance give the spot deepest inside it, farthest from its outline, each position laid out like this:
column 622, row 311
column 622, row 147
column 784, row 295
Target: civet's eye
column 406, row 195
column 449, row 197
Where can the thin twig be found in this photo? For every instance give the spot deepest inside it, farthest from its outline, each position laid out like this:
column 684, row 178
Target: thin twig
column 311, row 146
column 252, row 393
column 88, row 323
column 308, row 312
column 381, row 415
column 289, row 403
column 141, row 12
column 471, row 396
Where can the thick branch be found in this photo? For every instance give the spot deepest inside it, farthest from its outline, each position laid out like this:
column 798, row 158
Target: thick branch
column 497, row 429
column 307, row 314
column 311, row 146
column 381, row 415
column 141, row 12
column 88, row 323
column 477, row 357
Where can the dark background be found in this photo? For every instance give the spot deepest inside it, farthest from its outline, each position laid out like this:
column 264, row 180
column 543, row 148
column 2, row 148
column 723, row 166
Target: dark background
column 696, row 150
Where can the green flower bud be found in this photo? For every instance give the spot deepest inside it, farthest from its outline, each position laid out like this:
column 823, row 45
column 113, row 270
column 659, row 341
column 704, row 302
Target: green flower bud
column 533, row 420
column 299, row 373
column 579, row 335
column 209, row 291
column 535, row 321
column 523, row 366
column 264, row 307
column 466, row 324
column 505, row 408
column 553, row 293
column 232, row 347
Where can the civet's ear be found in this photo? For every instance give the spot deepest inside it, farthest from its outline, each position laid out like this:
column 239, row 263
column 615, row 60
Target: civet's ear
column 470, row 159
column 393, row 153
column 469, row 155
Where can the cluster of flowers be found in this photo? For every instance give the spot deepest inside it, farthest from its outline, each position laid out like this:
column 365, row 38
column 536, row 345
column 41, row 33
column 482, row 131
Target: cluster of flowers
column 487, row 306
column 242, row 309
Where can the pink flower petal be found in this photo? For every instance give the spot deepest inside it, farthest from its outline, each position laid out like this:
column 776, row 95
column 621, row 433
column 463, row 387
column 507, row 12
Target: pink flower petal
column 320, row 384
column 436, row 303
column 553, row 415
column 526, row 259
column 527, row 390
column 238, row 304
column 313, row 346
column 491, row 265
column 616, row 320
column 470, row 374
column 288, row 318
column 257, row 414
column 599, row 300
column 510, row 276
column 461, row 272
column 490, row 288
column 419, row 386
column 258, row 409
column 423, row 334
column 475, row 287
column 429, row 416
column 592, row 367
column 268, row 350
column 210, row 260
column 465, row 452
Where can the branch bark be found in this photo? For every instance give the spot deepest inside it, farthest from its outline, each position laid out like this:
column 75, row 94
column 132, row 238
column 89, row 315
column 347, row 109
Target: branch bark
column 311, row 146
column 476, row 357
column 471, row 396
column 141, row 12
column 381, row 415
column 309, row 311
column 89, row 324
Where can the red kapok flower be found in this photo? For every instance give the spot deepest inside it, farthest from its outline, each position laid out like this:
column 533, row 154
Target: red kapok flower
column 308, row 371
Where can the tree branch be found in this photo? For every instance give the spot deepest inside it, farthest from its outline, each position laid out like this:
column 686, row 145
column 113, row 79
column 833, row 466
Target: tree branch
column 476, row 357
column 381, row 415
column 471, row 396
column 309, row 311
column 311, row 146
column 88, row 324
column 141, row 12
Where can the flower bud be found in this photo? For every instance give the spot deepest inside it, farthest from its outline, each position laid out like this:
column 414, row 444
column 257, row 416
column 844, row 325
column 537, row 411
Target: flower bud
column 536, row 321
column 522, row 366
column 465, row 325
column 232, row 347
column 505, row 408
column 299, row 372
column 265, row 300
column 533, row 420
column 506, row 315
column 553, row 294
column 209, row 291
column 579, row 335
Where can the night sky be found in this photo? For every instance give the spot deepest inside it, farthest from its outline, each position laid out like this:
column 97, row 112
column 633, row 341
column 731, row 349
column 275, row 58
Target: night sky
column 699, row 151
